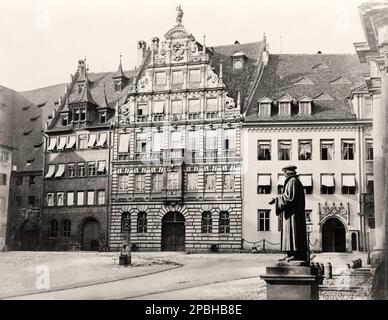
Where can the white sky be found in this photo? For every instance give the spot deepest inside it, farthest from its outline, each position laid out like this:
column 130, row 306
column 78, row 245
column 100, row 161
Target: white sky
column 41, row 41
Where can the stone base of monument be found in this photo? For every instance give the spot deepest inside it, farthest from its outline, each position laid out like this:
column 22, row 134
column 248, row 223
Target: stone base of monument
column 291, row 281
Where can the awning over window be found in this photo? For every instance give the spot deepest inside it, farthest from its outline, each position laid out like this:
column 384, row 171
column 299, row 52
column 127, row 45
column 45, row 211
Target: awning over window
column 51, row 170
column 306, row 180
column 281, row 179
column 158, row 106
column 53, row 143
column 101, row 166
column 328, row 180
column 62, row 143
column 101, row 140
column 60, row 171
column 370, row 178
column 92, row 140
column 348, row 181
column 71, row 142
column 264, row 180
column 124, row 143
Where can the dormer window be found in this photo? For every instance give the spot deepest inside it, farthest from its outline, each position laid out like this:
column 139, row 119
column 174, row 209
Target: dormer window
column 238, row 64
column 284, row 108
column 118, row 85
column 285, row 105
column 76, row 115
column 103, row 117
column 265, row 107
column 83, row 115
column 238, row 60
column 305, row 105
column 65, row 120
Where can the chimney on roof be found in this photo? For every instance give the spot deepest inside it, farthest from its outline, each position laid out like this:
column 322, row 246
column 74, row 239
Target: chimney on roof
column 319, row 52
column 141, row 52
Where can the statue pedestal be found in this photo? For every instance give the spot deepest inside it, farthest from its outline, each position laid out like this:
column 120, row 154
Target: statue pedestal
column 291, row 282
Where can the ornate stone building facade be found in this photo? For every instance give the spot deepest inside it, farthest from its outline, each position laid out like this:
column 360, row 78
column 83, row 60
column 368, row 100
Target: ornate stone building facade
column 176, row 165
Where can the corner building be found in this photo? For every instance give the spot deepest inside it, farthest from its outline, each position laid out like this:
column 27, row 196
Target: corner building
column 176, row 165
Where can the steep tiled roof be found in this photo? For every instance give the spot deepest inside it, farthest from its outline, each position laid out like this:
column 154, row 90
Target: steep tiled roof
column 96, row 85
column 237, row 79
column 37, row 105
column 283, row 73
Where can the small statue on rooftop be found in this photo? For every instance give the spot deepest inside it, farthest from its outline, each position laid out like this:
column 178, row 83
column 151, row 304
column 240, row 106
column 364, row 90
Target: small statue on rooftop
column 179, row 15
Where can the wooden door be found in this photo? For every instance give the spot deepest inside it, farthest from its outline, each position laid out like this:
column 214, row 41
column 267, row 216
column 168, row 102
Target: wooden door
column 91, row 236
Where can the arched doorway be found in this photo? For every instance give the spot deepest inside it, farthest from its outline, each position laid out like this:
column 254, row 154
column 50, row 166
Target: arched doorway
column 173, row 232
column 333, row 236
column 28, row 236
column 91, row 235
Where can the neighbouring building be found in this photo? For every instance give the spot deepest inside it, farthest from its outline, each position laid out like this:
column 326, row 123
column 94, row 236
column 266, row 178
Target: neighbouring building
column 76, row 182
column 374, row 54
column 176, row 165
column 7, row 100
column 311, row 110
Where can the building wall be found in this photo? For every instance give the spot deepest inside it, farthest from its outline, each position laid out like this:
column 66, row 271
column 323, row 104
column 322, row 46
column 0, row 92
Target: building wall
column 252, row 201
column 5, row 176
column 78, row 215
column 23, row 186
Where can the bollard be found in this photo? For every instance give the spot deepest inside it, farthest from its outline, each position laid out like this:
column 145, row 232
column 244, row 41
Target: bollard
column 314, row 271
column 319, row 273
column 323, row 268
column 328, row 271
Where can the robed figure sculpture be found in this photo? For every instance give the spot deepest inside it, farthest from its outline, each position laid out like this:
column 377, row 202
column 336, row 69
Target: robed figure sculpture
column 290, row 206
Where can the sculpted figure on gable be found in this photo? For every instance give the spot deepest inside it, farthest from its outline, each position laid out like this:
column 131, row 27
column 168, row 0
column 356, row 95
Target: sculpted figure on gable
column 144, row 82
column 229, row 102
column 212, row 78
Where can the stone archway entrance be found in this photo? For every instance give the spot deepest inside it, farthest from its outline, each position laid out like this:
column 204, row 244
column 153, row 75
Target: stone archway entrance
column 91, row 235
column 28, row 236
column 333, row 236
column 173, row 232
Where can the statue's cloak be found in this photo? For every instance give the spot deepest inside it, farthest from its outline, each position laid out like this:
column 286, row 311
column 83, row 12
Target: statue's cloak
column 291, row 207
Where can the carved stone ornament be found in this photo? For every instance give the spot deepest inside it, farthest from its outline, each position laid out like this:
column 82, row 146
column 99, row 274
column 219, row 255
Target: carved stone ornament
column 178, row 51
column 327, row 210
column 212, row 78
column 229, row 102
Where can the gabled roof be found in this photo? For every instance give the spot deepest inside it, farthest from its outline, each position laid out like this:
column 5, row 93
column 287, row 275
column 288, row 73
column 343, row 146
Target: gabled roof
column 340, row 80
column 86, row 96
column 265, row 100
column 285, row 98
column 283, row 72
column 324, row 96
column 304, row 80
column 305, row 99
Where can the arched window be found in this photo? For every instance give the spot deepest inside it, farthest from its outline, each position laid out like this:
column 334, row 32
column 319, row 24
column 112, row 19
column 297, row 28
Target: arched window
column 125, row 222
column 66, row 228
column 53, row 232
column 206, row 225
column 224, row 223
column 142, row 222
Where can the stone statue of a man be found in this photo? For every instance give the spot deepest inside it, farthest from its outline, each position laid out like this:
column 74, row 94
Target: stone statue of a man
column 291, row 207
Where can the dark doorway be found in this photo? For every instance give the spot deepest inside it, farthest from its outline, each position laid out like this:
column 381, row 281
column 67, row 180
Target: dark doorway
column 28, row 236
column 333, row 236
column 173, row 232
column 91, row 235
